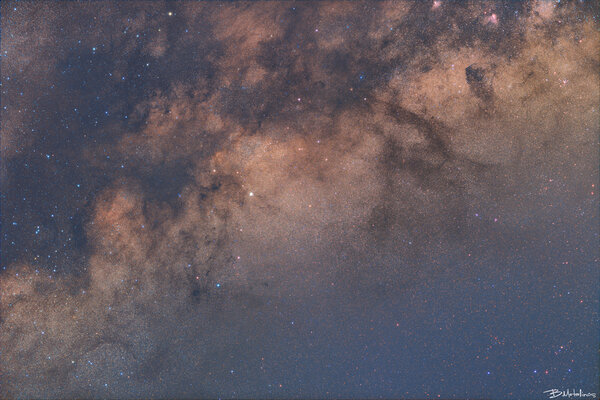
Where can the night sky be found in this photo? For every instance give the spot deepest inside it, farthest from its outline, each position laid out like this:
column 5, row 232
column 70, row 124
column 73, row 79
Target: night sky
column 299, row 199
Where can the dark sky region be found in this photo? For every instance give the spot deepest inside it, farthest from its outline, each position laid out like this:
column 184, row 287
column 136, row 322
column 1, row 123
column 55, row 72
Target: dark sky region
column 299, row 199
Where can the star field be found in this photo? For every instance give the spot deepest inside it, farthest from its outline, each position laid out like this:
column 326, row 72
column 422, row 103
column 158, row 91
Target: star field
column 299, row 199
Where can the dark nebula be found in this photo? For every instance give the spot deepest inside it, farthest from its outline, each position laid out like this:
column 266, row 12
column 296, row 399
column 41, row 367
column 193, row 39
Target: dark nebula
column 299, row 199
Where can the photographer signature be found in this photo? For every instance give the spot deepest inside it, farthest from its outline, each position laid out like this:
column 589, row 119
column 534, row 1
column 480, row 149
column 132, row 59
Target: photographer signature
column 554, row 393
